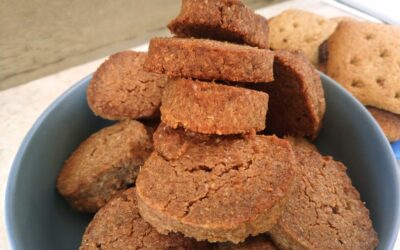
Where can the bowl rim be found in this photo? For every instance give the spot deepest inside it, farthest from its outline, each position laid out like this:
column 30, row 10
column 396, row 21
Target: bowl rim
column 11, row 230
column 16, row 164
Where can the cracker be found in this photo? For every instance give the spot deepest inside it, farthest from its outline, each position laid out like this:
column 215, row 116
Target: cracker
column 296, row 29
column 364, row 57
column 389, row 122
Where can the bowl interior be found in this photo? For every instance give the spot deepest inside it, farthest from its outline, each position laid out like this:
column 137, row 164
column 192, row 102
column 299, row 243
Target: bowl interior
column 38, row 218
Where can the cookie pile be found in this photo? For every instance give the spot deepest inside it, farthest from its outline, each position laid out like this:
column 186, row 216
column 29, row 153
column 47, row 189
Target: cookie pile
column 361, row 56
column 227, row 166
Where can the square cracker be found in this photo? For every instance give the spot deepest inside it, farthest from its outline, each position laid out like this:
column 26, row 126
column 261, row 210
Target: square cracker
column 296, row 29
column 364, row 57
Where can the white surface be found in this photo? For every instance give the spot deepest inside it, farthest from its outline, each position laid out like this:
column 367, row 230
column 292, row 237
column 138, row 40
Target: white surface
column 21, row 106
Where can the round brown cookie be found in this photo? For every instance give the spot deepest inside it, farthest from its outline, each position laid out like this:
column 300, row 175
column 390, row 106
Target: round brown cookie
column 325, row 211
column 118, row 225
column 225, row 20
column 260, row 242
column 209, row 60
column 103, row 165
column 121, row 89
column 211, row 108
column 173, row 143
column 296, row 97
column 223, row 189
column 389, row 122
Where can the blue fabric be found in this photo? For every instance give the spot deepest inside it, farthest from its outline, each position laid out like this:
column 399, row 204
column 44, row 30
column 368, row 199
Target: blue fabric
column 396, row 149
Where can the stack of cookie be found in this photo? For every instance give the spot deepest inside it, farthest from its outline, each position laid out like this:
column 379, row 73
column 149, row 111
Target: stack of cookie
column 227, row 166
column 361, row 56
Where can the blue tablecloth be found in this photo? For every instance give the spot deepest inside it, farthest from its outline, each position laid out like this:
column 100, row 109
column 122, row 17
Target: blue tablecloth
column 396, row 149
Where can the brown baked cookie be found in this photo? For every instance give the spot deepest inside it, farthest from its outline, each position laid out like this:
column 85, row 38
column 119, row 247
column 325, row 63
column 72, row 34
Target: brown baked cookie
column 364, row 57
column 325, row 211
column 173, row 143
column 389, row 122
column 296, row 97
column 209, row 60
column 103, row 165
column 296, row 29
column 223, row 189
column 226, row 20
column 260, row 242
column 121, row 89
column 118, row 225
column 211, row 108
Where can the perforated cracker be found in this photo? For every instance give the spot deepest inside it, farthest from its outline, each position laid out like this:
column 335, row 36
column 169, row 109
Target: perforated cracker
column 300, row 30
column 364, row 57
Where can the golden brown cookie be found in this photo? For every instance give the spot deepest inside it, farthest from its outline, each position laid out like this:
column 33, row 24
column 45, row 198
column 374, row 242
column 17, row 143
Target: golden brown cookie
column 296, row 29
column 209, row 60
column 223, row 189
column 118, row 225
column 226, row 20
column 121, row 89
column 325, row 211
column 389, row 122
column 296, row 97
column 211, row 108
column 103, row 165
column 364, row 57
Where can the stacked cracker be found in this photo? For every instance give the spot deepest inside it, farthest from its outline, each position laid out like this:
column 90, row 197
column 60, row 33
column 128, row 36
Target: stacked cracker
column 361, row 56
column 211, row 182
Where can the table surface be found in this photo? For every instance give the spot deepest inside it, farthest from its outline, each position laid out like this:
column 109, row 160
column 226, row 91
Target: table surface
column 22, row 105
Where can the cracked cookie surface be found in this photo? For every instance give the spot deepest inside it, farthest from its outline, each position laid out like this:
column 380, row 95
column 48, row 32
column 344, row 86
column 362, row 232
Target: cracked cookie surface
column 222, row 189
column 325, row 211
column 119, row 226
column 120, row 88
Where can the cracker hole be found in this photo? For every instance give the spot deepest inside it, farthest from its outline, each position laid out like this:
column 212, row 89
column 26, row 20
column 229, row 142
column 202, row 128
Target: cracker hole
column 384, row 53
column 295, row 25
column 321, row 22
column 369, row 36
column 397, row 95
column 354, row 61
column 357, row 83
column 380, row 81
column 281, row 30
column 309, row 39
column 285, row 40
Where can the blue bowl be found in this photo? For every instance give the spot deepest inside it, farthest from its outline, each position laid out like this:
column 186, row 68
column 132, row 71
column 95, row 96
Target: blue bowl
column 38, row 218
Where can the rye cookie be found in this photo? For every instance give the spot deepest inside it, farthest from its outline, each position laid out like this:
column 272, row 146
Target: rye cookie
column 296, row 97
column 120, row 88
column 118, row 225
column 226, row 20
column 209, row 60
column 211, row 108
column 325, row 211
column 224, row 189
column 103, row 165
